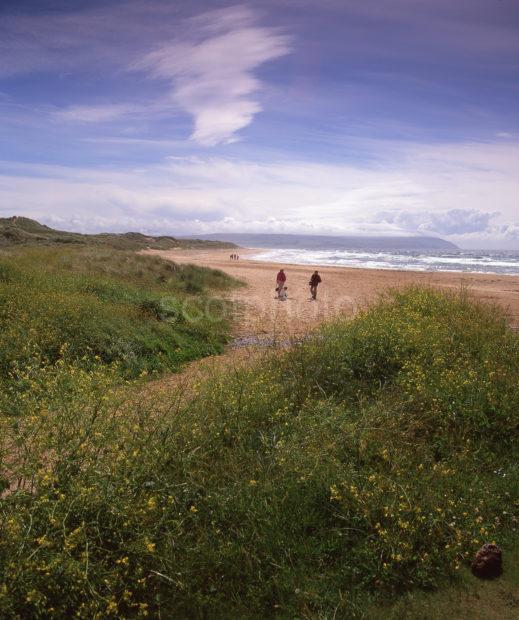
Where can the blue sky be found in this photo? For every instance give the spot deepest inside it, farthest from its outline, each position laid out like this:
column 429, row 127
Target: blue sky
column 330, row 116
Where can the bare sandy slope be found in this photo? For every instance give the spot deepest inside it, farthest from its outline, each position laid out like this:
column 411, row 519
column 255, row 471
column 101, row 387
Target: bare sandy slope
column 342, row 292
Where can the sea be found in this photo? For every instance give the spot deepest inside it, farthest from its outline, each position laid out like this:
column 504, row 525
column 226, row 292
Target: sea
column 465, row 261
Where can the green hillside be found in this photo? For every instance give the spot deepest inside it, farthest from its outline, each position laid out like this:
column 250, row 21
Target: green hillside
column 21, row 230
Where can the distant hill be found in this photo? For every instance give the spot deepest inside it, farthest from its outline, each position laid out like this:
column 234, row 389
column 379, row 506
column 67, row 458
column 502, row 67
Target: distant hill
column 22, row 230
column 325, row 242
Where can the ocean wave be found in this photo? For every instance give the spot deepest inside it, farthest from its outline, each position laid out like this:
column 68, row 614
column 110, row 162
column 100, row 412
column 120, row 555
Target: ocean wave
column 465, row 261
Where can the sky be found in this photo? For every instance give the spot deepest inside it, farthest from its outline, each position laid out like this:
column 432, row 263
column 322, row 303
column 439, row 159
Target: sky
column 370, row 117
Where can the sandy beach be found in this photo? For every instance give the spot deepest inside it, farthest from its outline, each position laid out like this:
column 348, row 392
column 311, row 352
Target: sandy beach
column 343, row 291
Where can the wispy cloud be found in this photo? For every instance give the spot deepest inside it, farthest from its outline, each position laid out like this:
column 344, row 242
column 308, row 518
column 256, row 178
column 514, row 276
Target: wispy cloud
column 75, row 40
column 211, row 72
column 208, row 62
column 95, row 113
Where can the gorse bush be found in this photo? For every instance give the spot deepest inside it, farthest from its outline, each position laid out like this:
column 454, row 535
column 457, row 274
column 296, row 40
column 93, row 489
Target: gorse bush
column 370, row 460
column 138, row 311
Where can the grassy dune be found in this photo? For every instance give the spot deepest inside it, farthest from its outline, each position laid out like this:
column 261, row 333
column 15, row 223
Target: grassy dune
column 16, row 231
column 140, row 312
column 327, row 482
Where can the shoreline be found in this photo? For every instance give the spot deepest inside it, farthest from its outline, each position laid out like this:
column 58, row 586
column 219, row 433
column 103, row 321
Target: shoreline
column 367, row 267
column 344, row 290
column 246, row 254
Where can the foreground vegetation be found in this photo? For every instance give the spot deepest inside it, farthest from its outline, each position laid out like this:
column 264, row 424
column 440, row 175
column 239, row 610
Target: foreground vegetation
column 370, row 461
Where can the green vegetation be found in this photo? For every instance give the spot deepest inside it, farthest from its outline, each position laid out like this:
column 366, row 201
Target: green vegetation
column 366, row 463
column 141, row 312
column 24, row 231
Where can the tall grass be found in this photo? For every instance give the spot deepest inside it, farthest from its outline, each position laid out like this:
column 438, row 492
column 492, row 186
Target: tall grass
column 142, row 312
column 369, row 461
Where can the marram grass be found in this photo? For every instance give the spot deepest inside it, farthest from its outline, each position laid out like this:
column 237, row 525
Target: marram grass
column 370, row 461
column 141, row 312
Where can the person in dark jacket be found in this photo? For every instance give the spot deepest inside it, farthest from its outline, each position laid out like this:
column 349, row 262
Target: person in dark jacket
column 315, row 280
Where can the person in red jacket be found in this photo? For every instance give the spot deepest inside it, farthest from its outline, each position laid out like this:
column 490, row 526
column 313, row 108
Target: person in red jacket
column 280, row 281
column 315, row 280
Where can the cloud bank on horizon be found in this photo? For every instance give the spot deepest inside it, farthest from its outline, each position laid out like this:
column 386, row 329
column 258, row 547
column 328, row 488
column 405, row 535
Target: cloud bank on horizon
column 396, row 117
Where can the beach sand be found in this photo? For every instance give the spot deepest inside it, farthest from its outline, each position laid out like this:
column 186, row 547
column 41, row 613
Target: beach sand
column 343, row 291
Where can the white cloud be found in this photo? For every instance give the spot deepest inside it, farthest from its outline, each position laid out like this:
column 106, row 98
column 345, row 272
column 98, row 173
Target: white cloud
column 465, row 193
column 211, row 71
column 446, row 223
column 94, row 113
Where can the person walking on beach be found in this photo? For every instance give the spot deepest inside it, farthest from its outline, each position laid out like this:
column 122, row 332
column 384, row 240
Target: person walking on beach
column 280, row 281
column 283, row 294
column 315, row 280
